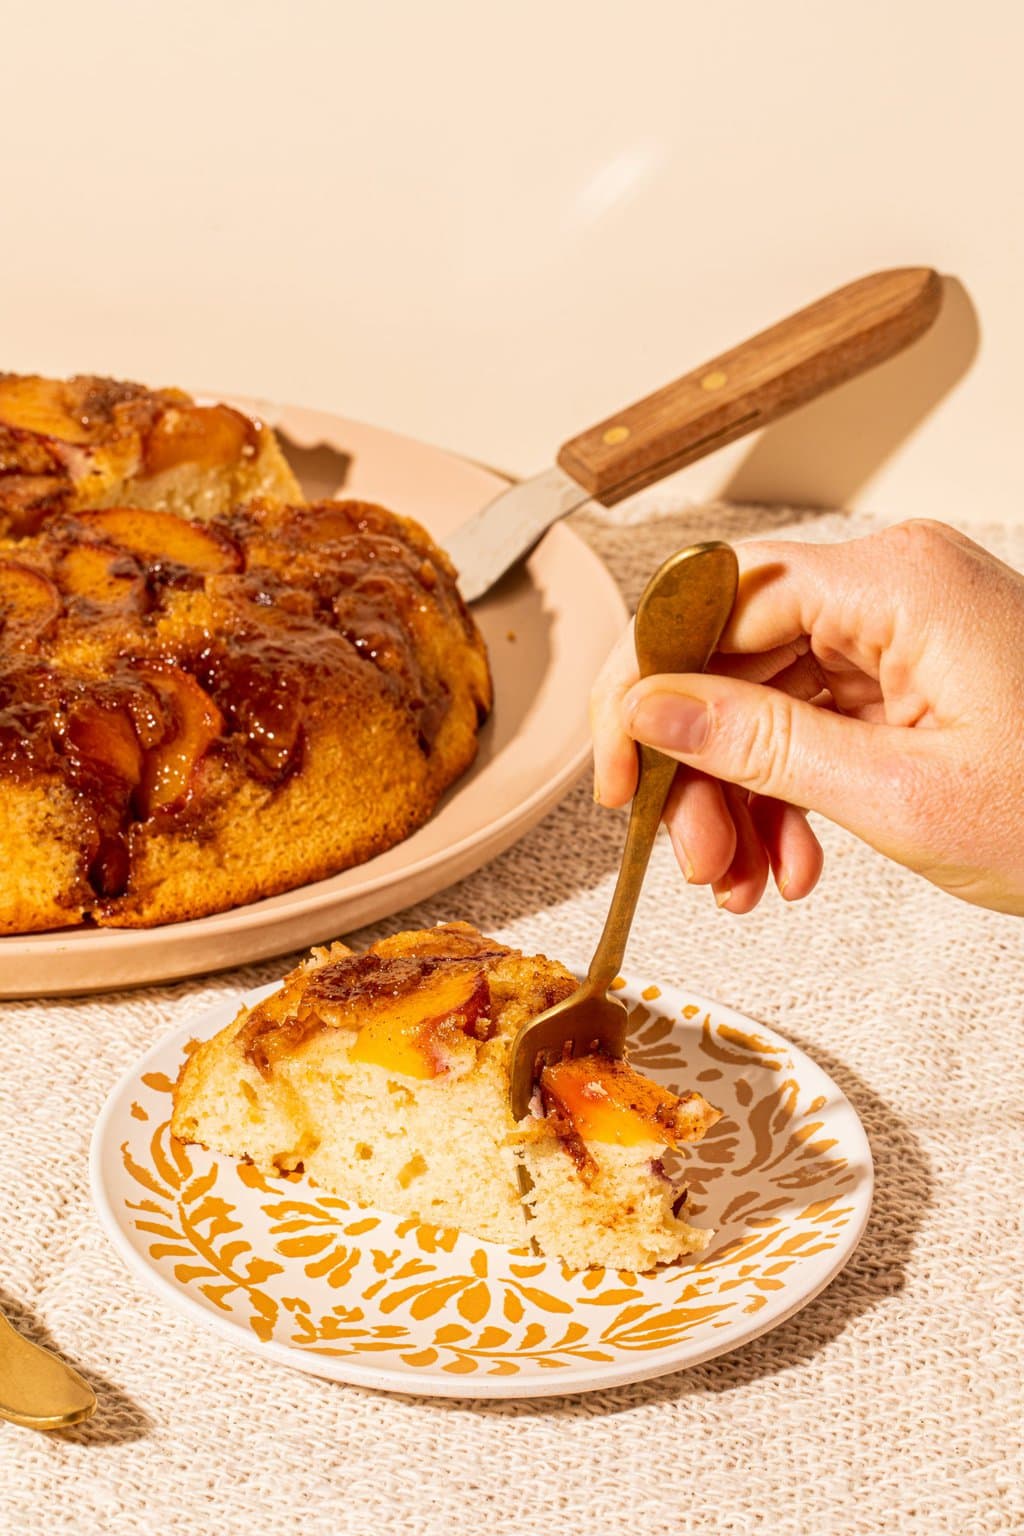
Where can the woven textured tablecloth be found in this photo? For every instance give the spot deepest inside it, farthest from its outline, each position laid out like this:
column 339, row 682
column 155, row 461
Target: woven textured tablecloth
column 891, row 1403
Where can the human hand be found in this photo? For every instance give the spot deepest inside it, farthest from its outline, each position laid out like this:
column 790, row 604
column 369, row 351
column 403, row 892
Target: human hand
column 879, row 682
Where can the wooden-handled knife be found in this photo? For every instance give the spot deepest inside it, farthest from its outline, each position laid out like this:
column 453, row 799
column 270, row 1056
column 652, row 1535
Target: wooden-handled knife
column 831, row 341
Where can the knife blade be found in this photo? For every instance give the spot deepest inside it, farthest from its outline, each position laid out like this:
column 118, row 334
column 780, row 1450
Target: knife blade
column 830, row 341
column 492, row 541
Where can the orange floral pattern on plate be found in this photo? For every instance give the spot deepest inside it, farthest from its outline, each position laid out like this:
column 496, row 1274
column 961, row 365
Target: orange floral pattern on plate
column 784, row 1178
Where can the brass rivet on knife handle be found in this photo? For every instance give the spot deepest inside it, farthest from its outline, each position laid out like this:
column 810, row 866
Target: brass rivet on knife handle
column 831, row 341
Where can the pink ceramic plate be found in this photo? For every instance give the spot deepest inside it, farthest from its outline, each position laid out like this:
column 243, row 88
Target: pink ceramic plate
column 548, row 627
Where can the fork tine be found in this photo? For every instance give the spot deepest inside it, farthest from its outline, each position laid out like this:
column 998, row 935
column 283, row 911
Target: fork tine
column 582, row 1024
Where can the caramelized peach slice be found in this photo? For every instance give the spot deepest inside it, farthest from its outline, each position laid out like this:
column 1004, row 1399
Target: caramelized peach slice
column 41, row 406
column 324, row 521
column 161, row 538
column 102, row 574
column 605, row 1100
column 210, row 436
column 263, row 705
column 104, row 736
column 150, row 717
column 167, row 773
column 414, row 1015
column 26, row 500
column 416, row 1034
column 29, row 602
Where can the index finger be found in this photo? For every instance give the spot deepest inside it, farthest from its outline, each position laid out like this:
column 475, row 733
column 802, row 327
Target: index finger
column 779, row 598
column 850, row 599
column 615, row 760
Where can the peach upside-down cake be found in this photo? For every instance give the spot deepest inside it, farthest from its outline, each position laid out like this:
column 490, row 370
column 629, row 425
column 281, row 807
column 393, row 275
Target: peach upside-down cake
column 66, row 444
column 383, row 1075
column 196, row 712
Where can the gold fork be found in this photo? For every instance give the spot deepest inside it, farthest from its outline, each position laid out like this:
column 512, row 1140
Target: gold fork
column 679, row 621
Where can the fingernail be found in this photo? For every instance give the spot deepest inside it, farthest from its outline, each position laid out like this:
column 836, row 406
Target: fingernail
column 685, row 862
column 782, row 880
column 721, row 897
column 672, row 721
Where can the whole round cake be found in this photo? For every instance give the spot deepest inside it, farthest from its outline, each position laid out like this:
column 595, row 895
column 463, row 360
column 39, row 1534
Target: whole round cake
column 196, row 714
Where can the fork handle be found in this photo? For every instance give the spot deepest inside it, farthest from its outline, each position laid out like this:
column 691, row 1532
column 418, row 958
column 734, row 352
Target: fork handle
column 656, row 774
column 679, row 621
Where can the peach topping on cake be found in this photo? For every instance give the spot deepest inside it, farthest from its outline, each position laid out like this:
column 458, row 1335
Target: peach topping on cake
column 244, row 703
column 162, row 539
column 599, row 1098
column 86, row 411
column 413, row 1015
column 66, row 444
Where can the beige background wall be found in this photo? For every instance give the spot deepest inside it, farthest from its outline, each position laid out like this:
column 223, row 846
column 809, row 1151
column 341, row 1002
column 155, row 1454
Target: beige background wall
column 488, row 224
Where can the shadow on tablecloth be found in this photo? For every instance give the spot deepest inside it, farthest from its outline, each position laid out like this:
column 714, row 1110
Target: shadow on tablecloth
column 117, row 1420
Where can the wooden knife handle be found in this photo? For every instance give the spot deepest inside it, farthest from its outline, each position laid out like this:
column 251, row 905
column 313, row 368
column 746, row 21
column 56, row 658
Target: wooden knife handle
column 833, row 340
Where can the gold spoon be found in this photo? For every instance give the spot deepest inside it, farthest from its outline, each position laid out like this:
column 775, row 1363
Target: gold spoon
column 679, row 621
column 37, row 1390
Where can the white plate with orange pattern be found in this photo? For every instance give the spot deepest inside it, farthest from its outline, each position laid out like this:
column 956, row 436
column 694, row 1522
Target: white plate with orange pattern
column 356, row 1295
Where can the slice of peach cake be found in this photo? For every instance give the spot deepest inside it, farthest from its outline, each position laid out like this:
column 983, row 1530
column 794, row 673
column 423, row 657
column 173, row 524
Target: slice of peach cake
column 68, row 444
column 384, row 1076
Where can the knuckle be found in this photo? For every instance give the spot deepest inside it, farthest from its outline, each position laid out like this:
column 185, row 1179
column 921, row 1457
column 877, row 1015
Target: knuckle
column 919, row 538
column 765, row 745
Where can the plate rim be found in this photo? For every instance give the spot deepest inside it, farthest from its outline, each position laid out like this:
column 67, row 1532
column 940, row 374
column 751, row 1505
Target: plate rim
column 573, row 1381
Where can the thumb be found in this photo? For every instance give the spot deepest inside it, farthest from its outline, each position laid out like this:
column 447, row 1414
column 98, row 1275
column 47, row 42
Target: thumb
column 870, row 778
